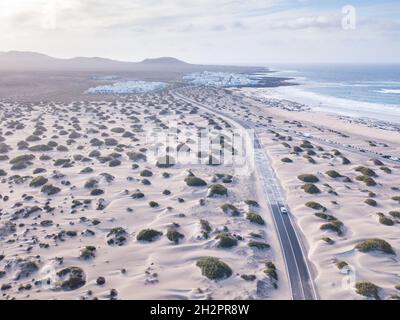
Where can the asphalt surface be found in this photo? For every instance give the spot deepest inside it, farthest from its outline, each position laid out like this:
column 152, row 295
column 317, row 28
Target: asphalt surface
column 299, row 276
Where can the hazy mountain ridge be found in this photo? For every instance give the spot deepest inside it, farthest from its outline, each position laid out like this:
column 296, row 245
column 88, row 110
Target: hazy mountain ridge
column 32, row 61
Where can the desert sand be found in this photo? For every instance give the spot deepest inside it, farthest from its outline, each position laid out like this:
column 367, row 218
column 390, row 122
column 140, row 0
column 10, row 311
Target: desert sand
column 88, row 213
column 356, row 196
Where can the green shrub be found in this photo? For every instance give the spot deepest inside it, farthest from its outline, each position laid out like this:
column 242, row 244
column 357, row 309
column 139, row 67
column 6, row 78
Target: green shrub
column 375, row 245
column 226, row 240
column 371, row 202
column 117, row 236
column 252, row 203
column 311, row 188
column 165, row 162
column 310, row 159
column 259, row 245
column 335, row 226
column 286, row 160
column 341, row 264
column 205, row 225
column 367, row 180
column 385, row 220
column 192, row 181
column 396, row 198
column 328, row 240
column 395, row 214
column 173, row 235
column 148, row 235
column 22, row 158
column 230, row 209
column 345, row 161
column 315, row 206
column 146, row 173
column 137, row 195
column 255, row 218
column 333, row 174
column 367, row 289
column 71, row 278
column 153, row 204
column 217, row 190
column 308, row 178
column 386, row 170
column 38, row 181
column 271, row 270
column 213, row 268
column 248, row 277
column 87, row 252
column 325, row 216
column 366, row 171
column 50, row 189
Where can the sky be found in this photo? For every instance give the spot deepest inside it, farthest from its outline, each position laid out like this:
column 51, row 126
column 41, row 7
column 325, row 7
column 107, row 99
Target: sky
column 206, row 31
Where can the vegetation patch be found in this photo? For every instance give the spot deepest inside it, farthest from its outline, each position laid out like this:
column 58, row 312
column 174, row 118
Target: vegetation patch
column 148, row 235
column 173, row 235
column 71, row 278
column 310, row 178
column 395, row 214
column 38, row 181
column 270, row 271
column 367, row 289
column 230, row 209
column 213, row 268
column 333, row 174
column 259, row 245
column 217, row 190
column 371, row 202
column 315, row 206
column 385, row 220
column 226, row 240
column 117, row 236
column 366, row 171
column 335, row 226
column 375, row 244
column 311, row 188
column 255, row 218
column 193, row 181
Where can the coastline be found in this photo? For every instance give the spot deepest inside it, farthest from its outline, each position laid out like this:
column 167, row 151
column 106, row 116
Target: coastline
column 326, row 104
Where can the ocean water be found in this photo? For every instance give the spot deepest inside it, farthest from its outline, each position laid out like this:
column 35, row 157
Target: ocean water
column 362, row 90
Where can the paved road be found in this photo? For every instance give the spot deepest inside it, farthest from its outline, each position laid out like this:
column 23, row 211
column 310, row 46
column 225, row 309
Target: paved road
column 300, row 281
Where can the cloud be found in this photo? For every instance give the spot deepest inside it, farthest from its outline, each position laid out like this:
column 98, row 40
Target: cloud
column 198, row 29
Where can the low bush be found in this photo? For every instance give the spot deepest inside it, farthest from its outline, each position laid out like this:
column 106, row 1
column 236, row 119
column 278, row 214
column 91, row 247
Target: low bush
column 333, row 174
column 213, row 268
column 375, row 244
column 311, row 188
column 217, row 190
column 193, row 181
column 230, row 209
column 367, row 289
column 255, row 218
column 173, row 235
column 335, row 226
column 259, row 245
column 308, row 178
column 315, row 206
column 148, row 235
column 226, row 240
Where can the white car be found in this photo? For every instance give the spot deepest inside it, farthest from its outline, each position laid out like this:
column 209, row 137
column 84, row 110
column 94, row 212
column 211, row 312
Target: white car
column 283, row 210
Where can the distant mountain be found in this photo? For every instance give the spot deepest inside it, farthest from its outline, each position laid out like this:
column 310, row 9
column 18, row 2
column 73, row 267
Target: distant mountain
column 164, row 60
column 32, row 61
